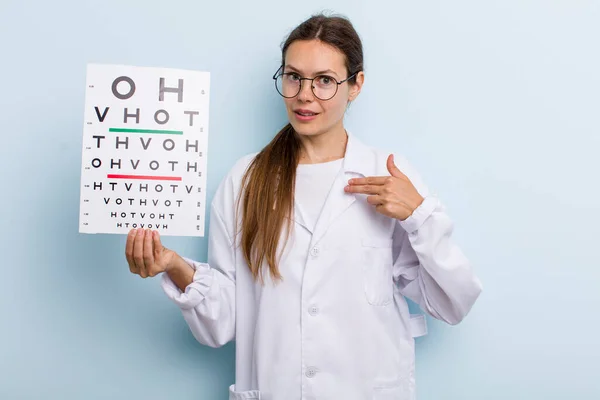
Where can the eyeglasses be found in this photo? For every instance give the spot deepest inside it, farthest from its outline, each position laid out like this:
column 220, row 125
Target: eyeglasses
column 289, row 84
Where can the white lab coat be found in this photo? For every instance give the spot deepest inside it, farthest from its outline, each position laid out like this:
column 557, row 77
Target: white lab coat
column 338, row 326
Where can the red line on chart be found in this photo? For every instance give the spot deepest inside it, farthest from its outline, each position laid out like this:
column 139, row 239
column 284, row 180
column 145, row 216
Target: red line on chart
column 145, row 177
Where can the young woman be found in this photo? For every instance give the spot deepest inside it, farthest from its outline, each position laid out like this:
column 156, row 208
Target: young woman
column 314, row 244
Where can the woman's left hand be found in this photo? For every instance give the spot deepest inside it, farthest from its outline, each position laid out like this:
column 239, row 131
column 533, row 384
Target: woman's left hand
column 393, row 196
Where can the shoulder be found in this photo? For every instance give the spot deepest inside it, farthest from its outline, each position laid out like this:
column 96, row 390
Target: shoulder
column 241, row 165
column 239, row 168
column 229, row 187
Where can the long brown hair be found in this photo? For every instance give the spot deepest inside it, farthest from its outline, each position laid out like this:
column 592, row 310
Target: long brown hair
column 267, row 194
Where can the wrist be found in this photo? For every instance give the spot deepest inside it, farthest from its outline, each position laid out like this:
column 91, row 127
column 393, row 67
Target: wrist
column 180, row 272
column 411, row 208
column 416, row 205
column 177, row 263
column 418, row 202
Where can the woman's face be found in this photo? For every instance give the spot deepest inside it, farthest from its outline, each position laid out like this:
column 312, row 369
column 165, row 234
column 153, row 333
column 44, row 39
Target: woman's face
column 308, row 114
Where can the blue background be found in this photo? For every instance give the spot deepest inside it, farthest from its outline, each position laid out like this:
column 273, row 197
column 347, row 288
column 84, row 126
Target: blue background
column 496, row 103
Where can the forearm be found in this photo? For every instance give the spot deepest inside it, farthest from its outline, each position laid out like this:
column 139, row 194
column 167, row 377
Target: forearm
column 432, row 269
column 206, row 297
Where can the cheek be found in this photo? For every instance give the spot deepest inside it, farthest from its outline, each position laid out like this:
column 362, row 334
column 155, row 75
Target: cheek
column 335, row 107
column 288, row 104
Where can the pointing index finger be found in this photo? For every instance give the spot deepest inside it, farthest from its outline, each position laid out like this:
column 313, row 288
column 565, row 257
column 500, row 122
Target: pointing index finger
column 364, row 189
column 370, row 180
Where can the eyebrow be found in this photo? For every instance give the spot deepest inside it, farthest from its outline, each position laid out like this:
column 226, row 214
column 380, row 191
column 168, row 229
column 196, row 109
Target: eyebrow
column 327, row 71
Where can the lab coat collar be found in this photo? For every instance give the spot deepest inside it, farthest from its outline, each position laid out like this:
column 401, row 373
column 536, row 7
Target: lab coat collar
column 359, row 158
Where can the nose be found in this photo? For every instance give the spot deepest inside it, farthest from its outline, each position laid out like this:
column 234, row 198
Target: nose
column 306, row 94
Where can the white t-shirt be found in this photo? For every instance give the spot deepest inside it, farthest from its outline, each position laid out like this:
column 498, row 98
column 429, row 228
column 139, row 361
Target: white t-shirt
column 313, row 183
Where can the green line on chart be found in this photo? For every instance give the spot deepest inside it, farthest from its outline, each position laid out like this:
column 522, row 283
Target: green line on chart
column 156, row 131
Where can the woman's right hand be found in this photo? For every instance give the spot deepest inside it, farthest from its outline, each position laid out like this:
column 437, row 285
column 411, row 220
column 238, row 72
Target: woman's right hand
column 145, row 253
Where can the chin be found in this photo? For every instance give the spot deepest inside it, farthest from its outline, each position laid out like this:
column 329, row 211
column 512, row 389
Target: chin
column 304, row 129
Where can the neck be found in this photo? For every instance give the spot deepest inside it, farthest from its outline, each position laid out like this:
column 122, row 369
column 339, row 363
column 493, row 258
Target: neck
column 324, row 147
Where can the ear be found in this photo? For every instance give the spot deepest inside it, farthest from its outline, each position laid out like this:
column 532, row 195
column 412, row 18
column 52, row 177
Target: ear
column 357, row 87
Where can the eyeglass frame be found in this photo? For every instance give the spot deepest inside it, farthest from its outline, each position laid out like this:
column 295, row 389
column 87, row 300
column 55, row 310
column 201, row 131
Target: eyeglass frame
column 280, row 72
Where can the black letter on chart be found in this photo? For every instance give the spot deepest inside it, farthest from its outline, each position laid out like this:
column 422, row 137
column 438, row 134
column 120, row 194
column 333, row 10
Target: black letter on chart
column 131, row 88
column 171, row 144
column 136, row 115
column 125, row 142
column 166, row 118
column 162, row 89
column 188, row 146
column 101, row 117
column 98, row 138
column 145, row 145
column 192, row 166
column 191, row 113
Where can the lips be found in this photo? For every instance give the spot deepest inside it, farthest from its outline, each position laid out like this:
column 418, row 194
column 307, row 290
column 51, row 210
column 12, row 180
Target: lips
column 306, row 113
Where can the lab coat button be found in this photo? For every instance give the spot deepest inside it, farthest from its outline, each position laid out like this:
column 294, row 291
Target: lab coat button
column 314, row 251
column 313, row 310
column 310, row 372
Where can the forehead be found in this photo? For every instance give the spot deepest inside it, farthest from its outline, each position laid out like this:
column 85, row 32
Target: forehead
column 309, row 56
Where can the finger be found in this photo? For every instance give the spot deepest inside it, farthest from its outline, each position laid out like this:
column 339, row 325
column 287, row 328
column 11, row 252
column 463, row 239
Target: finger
column 138, row 253
column 370, row 180
column 157, row 252
column 364, row 189
column 375, row 200
column 148, row 251
column 129, row 251
column 393, row 170
column 158, row 247
column 385, row 209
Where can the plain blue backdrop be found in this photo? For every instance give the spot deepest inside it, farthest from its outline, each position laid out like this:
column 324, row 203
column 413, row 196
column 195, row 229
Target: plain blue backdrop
column 496, row 103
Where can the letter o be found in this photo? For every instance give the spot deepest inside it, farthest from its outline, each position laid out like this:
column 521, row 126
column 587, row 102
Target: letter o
column 131, row 87
column 165, row 113
column 172, row 144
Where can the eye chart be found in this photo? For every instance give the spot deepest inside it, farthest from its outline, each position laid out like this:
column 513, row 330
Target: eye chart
column 145, row 139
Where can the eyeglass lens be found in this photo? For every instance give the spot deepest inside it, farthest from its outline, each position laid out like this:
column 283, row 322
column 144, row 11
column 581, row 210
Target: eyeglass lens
column 289, row 85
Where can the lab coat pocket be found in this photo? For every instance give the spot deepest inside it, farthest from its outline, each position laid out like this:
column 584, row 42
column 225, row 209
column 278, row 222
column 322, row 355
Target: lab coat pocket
column 377, row 268
column 245, row 395
column 396, row 389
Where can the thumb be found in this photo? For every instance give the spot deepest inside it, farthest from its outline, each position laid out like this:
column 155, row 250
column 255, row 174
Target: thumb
column 394, row 171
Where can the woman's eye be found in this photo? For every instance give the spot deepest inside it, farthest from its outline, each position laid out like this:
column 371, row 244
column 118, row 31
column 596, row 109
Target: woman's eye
column 325, row 80
column 293, row 77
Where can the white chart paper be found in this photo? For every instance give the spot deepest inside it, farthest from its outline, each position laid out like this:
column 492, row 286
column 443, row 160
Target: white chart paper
column 145, row 140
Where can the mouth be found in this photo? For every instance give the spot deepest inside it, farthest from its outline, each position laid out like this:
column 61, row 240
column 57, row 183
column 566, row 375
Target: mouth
column 305, row 115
